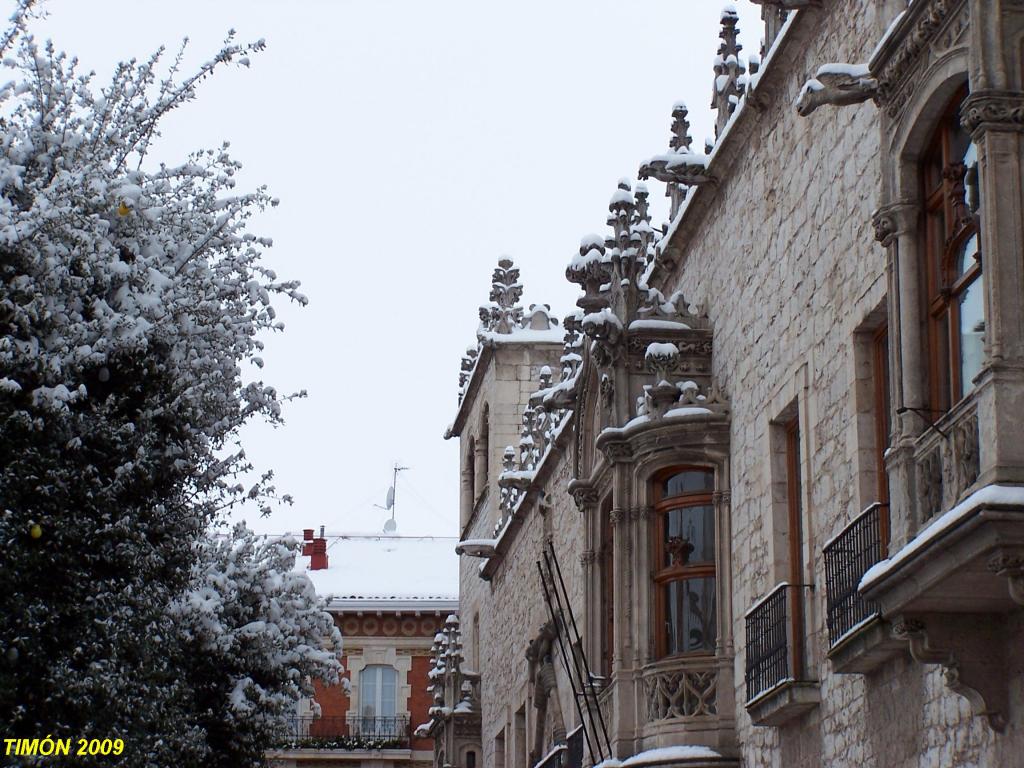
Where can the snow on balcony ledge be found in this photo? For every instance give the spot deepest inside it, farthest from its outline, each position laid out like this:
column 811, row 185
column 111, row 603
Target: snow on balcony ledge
column 1001, row 495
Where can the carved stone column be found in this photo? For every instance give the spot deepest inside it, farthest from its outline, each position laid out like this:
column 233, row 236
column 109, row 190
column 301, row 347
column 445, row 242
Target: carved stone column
column 896, row 230
column 995, row 119
column 480, row 461
column 465, row 495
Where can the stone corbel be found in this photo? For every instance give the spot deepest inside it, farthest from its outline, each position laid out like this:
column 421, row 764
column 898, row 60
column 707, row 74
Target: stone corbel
column 1010, row 565
column 892, row 220
column 584, row 494
column 969, row 649
column 616, row 448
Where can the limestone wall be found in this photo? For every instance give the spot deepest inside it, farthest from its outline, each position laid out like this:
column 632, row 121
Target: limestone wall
column 788, row 266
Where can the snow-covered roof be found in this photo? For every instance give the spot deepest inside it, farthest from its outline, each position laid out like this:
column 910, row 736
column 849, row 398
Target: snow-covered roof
column 387, row 572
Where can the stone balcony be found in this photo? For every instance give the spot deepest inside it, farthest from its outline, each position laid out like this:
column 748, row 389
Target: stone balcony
column 950, row 591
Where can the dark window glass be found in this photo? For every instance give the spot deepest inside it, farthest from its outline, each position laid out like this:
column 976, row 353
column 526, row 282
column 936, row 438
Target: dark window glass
column 690, row 481
column 689, row 535
column 690, row 620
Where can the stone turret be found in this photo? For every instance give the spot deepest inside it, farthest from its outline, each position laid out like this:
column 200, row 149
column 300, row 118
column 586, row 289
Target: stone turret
column 513, row 347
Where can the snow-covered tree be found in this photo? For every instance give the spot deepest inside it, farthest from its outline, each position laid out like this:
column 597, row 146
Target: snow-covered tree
column 132, row 299
column 256, row 637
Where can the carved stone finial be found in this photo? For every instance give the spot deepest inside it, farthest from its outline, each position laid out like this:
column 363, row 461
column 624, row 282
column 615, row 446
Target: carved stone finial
column 503, row 314
column 681, row 167
column 728, row 69
column 590, row 270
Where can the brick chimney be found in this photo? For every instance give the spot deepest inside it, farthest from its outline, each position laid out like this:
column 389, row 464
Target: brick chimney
column 315, row 549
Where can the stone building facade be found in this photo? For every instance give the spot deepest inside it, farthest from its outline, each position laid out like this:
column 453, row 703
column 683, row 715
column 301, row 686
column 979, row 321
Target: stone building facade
column 762, row 502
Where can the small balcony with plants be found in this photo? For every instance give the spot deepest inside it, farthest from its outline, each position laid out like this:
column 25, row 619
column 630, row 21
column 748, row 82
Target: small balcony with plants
column 350, row 733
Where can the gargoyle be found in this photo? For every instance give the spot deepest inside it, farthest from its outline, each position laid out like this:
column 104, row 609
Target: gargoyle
column 838, row 85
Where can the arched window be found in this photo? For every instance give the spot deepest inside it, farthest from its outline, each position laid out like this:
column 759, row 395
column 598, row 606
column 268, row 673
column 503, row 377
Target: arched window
column 953, row 290
column 684, row 561
column 378, row 694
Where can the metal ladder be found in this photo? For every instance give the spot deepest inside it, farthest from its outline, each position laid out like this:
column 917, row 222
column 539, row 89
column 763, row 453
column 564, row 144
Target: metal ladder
column 574, row 657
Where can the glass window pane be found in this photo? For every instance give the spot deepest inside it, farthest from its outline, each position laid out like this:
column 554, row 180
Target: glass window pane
column 368, row 684
column 689, row 535
column 388, row 692
column 690, row 481
column 972, row 333
column 690, row 621
column 968, row 255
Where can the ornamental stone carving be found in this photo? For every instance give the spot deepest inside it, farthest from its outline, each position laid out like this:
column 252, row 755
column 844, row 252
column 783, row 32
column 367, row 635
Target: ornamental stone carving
column 972, row 664
column 992, row 110
column 681, row 693
column 892, row 220
column 895, row 81
column 1011, row 566
column 837, row 85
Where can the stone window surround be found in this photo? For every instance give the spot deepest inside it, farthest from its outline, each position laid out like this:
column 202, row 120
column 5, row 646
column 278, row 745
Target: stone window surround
column 372, row 652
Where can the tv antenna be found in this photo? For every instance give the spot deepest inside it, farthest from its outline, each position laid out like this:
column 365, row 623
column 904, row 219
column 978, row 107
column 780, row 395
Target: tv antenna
column 390, row 526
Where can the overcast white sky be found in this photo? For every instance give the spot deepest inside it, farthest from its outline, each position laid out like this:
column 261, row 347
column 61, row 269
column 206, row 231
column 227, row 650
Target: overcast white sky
column 412, row 144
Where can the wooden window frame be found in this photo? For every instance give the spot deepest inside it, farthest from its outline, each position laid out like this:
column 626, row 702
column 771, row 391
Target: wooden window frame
column 606, row 557
column 883, row 423
column 945, row 229
column 795, row 513
column 661, row 575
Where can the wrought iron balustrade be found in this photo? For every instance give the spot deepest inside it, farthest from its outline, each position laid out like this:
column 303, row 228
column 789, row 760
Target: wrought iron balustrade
column 350, row 732
column 848, row 556
column 774, row 629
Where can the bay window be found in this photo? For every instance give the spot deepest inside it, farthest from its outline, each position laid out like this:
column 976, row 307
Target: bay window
column 684, row 558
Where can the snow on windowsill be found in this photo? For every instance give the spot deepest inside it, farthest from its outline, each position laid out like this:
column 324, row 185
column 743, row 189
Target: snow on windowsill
column 991, row 494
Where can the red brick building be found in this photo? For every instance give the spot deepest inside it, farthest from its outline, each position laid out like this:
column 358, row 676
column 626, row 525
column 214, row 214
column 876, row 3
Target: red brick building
column 390, row 596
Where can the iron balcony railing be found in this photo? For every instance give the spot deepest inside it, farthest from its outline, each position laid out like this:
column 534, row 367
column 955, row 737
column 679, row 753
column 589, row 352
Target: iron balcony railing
column 556, row 758
column 847, row 557
column 774, row 628
column 350, row 732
